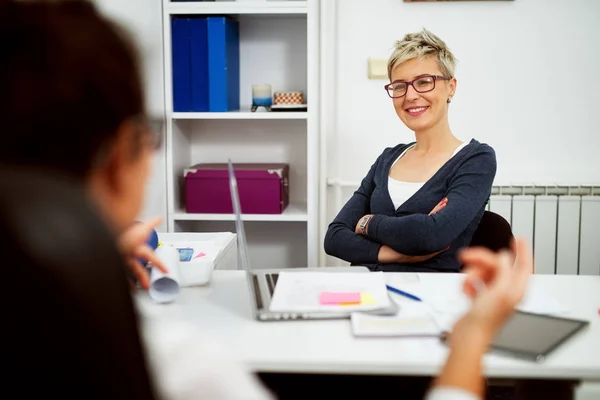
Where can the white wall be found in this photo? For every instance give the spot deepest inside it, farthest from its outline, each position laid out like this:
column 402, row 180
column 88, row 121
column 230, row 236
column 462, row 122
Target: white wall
column 143, row 20
column 545, row 134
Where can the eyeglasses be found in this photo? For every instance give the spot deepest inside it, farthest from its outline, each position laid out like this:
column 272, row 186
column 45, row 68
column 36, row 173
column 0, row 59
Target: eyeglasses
column 157, row 130
column 154, row 128
column 422, row 84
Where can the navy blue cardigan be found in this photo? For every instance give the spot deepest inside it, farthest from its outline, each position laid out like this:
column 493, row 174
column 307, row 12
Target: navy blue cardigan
column 466, row 180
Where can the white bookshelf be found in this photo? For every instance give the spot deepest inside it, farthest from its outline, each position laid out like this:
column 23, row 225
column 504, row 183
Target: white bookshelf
column 244, row 7
column 278, row 46
column 292, row 213
column 240, row 115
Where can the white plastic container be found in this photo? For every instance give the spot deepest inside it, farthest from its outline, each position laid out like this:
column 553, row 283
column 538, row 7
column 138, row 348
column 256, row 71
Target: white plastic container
column 212, row 250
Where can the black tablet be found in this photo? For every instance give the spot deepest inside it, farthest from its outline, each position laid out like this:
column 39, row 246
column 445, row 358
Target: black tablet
column 534, row 336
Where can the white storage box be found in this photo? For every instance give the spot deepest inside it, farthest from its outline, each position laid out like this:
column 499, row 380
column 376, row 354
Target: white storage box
column 212, row 250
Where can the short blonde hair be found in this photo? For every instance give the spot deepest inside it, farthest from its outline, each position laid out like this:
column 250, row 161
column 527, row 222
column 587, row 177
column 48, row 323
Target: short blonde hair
column 420, row 45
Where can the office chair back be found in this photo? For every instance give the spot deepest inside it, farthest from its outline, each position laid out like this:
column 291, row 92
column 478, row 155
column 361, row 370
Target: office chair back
column 494, row 232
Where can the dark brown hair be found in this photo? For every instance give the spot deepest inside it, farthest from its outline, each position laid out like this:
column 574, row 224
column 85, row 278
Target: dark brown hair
column 68, row 78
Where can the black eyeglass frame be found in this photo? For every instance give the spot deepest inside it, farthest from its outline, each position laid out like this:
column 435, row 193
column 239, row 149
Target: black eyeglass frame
column 155, row 129
column 411, row 83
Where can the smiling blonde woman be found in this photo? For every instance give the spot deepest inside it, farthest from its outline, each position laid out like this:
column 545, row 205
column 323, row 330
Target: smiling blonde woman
column 421, row 201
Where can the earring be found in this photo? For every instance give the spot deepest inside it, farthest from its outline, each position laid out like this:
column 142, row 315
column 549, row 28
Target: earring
column 449, row 99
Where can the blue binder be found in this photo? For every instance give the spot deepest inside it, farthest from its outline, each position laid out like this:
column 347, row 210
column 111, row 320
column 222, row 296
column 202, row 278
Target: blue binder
column 223, row 64
column 180, row 44
column 199, row 64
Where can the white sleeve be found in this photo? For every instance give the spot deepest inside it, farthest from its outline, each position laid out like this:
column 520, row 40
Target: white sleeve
column 450, row 393
column 186, row 364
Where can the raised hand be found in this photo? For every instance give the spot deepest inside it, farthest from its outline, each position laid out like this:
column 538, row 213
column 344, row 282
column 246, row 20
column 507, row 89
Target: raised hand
column 495, row 284
column 132, row 244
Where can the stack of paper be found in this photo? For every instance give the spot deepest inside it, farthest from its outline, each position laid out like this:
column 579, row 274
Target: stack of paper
column 314, row 291
column 401, row 325
column 539, row 302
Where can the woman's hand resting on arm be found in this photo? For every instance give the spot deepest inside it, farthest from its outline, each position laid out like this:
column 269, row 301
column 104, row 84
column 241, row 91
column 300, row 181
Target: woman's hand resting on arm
column 387, row 255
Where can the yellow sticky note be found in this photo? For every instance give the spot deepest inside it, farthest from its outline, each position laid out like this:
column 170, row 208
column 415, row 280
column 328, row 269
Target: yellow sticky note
column 366, row 298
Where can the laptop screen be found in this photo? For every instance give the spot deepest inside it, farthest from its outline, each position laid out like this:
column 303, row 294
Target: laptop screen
column 243, row 257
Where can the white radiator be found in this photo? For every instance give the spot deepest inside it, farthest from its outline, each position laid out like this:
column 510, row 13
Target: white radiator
column 562, row 223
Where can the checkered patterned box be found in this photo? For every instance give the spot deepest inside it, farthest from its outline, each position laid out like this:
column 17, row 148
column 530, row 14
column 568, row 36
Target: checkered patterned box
column 288, row 98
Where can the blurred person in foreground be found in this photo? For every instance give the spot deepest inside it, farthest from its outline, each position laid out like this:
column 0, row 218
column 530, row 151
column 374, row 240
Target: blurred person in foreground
column 74, row 163
column 72, row 105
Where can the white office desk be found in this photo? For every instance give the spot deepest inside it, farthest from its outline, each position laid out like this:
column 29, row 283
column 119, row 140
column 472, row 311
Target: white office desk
column 223, row 309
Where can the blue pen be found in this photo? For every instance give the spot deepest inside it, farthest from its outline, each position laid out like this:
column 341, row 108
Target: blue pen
column 402, row 293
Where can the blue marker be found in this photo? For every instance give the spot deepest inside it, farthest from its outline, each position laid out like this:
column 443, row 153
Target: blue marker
column 402, row 293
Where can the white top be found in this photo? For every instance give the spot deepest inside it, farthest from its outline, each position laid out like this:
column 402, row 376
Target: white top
column 187, row 364
column 401, row 191
column 449, row 393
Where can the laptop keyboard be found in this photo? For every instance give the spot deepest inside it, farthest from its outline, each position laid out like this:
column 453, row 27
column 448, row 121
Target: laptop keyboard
column 272, row 282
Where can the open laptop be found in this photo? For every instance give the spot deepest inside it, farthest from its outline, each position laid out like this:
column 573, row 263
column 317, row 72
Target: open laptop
column 261, row 283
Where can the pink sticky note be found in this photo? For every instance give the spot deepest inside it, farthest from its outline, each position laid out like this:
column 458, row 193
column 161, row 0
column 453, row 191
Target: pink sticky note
column 339, row 297
column 201, row 254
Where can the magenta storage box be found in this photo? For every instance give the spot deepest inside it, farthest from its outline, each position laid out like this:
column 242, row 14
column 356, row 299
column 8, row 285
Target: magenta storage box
column 263, row 188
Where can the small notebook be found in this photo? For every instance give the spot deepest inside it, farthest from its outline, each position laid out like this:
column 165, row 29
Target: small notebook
column 409, row 325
